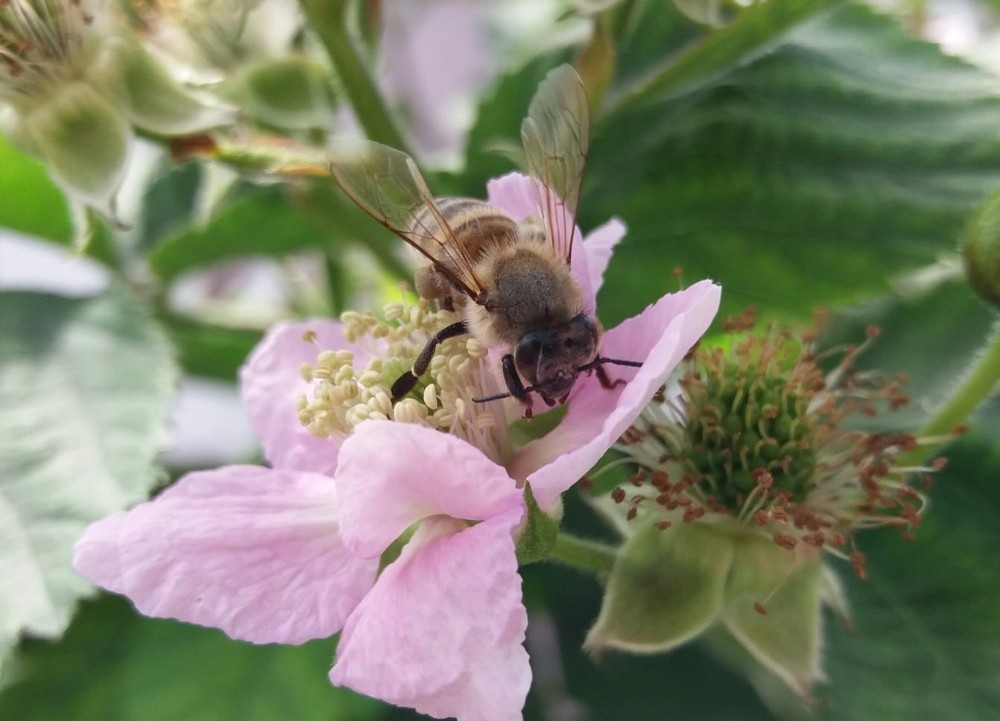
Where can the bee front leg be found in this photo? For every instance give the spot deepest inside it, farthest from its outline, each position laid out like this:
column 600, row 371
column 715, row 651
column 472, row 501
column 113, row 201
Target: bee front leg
column 406, row 382
column 514, row 385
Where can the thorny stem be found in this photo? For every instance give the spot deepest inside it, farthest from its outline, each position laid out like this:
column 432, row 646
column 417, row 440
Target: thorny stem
column 583, row 554
column 979, row 382
column 328, row 19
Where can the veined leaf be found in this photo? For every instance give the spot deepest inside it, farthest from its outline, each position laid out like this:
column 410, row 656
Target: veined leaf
column 85, row 386
column 31, row 203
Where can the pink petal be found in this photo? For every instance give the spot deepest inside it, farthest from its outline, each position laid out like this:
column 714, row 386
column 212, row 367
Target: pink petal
column 271, row 382
column 443, row 629
column 659, row 337
column 599, row 245
column 253, row 551
column 392, row 474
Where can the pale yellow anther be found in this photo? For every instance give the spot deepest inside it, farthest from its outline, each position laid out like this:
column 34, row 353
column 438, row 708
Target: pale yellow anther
column 344, row 374
column 384, row 403
column 328, row 358
column 409, row 410
column 370, row 378
column 393, row 311
column 430, row 397
column 306, row 372
column 416, row 315
column 455, row 364
column 486, row 420
column 443, row 418
column 377, row 416
column 475, row 349
column 460, row 408
column 381, row 331
column 301, row 402
column 349, row 389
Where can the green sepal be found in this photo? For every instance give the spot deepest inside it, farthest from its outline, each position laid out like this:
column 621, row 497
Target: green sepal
column 292, row 93
column 150, row 97
column 772, row 607
column 666, row 587
column 539, row 532
column 84, row 141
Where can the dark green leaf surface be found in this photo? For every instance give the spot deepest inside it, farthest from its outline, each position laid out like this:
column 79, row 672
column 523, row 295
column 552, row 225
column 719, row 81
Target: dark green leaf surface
column 926, row 643
column 85, row 386
column 210, row 351
column 116, row 666
column 261, row 223
column 846, row 154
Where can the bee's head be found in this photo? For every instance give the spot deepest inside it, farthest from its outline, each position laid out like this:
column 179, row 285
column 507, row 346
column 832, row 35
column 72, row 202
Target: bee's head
column 549, row 359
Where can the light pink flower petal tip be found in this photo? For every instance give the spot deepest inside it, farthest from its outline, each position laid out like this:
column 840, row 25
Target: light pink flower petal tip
column 252, row 551
column 660, row 336
column 443, row 629
column 270, row 382
column 393, row 474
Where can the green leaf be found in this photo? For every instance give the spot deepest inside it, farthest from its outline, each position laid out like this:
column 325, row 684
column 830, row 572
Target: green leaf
column 85, row 386
column 932, row 328
column 208, row 350
column 666, row 587
column 262, row 223
column 809, row 174
column 115, row 665
column 749, row 36
column 926, row 641
column 32, row 203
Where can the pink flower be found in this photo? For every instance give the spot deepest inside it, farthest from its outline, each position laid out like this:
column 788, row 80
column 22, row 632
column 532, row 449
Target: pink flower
column 290, row 553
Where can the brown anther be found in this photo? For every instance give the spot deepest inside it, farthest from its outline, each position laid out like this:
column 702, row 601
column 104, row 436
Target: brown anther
column 816, row 540
column 761, row 518
column 637, row 478
column 664, row 525
column 693, row 514
column 762, row 478
column 760, row 608
column 858, row 562
column 618, row 494
column 939, row 464
column 959, row 430
column 873, row 331
column 785, row 541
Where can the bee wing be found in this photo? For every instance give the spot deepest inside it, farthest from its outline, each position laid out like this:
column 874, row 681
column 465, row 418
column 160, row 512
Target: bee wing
column 386, row 184
column 556, row 135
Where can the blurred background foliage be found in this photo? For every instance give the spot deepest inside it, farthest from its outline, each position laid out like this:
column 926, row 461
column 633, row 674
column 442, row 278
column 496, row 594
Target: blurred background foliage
column 803, row 153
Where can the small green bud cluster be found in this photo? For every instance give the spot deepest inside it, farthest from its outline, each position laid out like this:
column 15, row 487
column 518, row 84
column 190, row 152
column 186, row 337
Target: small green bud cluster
column 72, row 86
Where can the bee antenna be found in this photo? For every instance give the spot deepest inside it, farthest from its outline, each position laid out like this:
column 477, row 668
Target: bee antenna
column 612, row 361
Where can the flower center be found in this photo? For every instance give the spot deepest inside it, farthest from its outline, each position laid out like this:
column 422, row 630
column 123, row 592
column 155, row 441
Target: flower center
column 40, row 43
column 346, row 393
column 757, row 435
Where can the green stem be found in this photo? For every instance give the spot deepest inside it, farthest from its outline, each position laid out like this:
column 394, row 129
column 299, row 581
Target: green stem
column 328, row 19
column 583, row 554
column 979, row 382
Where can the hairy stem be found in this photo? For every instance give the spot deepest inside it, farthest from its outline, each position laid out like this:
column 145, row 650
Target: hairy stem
column 583, row 554
column 328, row 19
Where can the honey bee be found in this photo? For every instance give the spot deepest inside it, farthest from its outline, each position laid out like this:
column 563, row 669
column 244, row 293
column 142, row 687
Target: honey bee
column 510, row 281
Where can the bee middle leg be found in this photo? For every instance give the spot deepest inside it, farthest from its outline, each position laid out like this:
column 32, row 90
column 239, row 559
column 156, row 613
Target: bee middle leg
column 406, row 382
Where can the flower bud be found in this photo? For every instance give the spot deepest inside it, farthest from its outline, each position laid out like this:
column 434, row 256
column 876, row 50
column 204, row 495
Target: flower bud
column 83, row 139
column 981, row 250
column 151, row 98
column 290, row 93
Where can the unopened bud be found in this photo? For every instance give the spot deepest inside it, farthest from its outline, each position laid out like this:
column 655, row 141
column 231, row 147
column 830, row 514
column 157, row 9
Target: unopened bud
column 151, row 98
column 291, row 93
column 83, row 139
column 981, row 250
